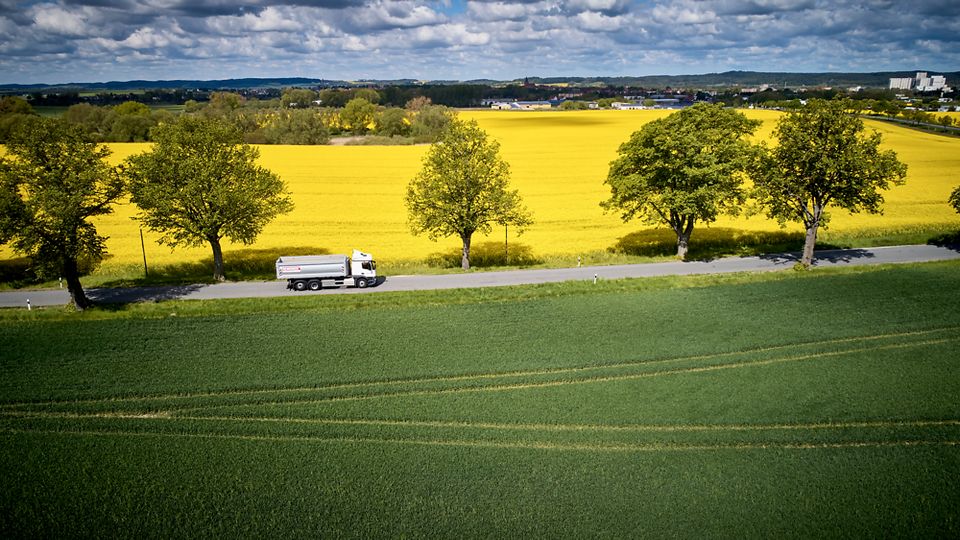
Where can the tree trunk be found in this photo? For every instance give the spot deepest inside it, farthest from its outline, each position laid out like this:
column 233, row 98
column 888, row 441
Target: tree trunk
column 465, row 260
column 217, row 259
column 809, row 243
column 682, row 246
column 72, row 275
column 683, row 238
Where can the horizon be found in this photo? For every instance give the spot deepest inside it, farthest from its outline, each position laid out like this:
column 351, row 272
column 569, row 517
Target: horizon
column 100, row 41
column 427, row 81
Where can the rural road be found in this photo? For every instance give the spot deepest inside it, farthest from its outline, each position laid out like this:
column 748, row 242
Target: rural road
column 259, row 289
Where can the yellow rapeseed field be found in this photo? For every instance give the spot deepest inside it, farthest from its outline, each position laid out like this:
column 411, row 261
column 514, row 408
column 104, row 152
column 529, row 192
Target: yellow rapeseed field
column 352, row 196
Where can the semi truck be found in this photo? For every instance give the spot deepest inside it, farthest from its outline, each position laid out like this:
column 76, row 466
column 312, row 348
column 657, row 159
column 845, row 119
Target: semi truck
column 315, row 272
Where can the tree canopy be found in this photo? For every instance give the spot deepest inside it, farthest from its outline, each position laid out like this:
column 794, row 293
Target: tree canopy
column 359, row 115
column 52, row 182
column 684, row 168
column 298, row 97
column 823, row 158
column 955, row 199
column 200, row 184
column 462, row 188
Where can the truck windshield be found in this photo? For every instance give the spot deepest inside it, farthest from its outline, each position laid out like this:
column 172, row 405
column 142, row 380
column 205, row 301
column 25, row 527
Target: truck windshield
column 368, row 265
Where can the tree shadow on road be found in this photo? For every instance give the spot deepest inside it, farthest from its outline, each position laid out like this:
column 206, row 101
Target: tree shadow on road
column 113, row 298
column 709, row 243
column 830, row 255
column 487, row 254
column 248, row 264
column 949, row 240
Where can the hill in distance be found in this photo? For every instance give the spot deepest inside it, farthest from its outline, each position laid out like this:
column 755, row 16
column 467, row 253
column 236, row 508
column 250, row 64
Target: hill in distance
column 709, row 80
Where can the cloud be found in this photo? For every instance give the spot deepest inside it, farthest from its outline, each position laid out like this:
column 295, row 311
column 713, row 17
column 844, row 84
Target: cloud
column 57, row 40
column 54, row 19
column 504, row 11
column 271, row 19
column 386, row 15
column 593, row 21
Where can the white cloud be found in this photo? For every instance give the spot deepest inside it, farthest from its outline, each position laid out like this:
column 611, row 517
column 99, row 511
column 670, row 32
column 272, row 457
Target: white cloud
column 150, row 38
column 57, row 20
column 382, row 15
column 448, row 35
column 592, row 21
column 678, row 15
column 271, row 19
column 505, row 11
column 59, row 40
column 606, row 6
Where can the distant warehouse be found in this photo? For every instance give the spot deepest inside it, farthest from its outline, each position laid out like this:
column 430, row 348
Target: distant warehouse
column 521, row 105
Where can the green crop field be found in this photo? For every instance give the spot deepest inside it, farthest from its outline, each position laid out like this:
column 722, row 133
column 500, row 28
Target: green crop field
column 794, row 404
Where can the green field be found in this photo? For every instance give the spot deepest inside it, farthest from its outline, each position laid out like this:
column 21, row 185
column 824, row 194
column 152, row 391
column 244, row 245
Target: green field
column 793, row 404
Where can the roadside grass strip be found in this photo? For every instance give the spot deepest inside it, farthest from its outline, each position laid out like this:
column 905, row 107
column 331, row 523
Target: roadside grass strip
column 272, row 414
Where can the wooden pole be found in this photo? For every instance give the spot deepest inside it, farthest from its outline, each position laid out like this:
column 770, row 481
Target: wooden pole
column 144, row 251
column 506, row 249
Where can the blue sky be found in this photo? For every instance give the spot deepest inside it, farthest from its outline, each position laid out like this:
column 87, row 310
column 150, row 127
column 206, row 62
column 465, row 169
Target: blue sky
column 59, row 41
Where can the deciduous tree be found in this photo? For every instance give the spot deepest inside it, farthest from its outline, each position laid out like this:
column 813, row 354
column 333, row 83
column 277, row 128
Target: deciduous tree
column 296, row 126
column 462, row 188
column 15, row 105
column 200, row 184
column 430, row 121
column 823, row 158
column 298, row 97
column 684, row 168
column 393, row 122
column 52, row 182
column 955, row 199
column 359, row 115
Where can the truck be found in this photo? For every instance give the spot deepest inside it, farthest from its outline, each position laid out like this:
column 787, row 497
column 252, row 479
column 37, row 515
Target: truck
column 315, row 272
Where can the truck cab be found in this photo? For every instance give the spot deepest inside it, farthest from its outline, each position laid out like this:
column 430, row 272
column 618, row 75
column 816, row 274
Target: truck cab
column 362, row 265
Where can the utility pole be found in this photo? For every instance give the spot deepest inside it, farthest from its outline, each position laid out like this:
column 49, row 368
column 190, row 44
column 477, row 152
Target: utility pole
column 506, row 250
column 144, row 251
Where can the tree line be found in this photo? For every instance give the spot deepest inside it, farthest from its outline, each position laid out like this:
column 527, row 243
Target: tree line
column 200, row 182
column 300, row 116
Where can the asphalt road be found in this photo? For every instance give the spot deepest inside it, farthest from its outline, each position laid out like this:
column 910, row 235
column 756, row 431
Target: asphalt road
column 261, row 289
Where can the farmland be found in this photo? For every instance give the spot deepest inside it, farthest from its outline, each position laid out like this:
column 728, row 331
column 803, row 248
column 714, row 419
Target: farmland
column 352, row 196
column 789, row 405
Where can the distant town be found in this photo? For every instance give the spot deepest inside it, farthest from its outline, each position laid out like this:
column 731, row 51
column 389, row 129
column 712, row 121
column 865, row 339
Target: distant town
column 311, row 111
column 924, row 90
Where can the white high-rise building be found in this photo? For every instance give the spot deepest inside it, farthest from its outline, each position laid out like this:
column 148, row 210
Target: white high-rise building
column 921, row 83
column 930, row 84
column 901, row 84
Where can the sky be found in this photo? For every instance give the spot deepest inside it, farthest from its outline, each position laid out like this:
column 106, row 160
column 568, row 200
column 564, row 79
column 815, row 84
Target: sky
column 64, row 41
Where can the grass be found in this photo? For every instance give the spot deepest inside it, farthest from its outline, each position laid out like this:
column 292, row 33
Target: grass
column 792, row 404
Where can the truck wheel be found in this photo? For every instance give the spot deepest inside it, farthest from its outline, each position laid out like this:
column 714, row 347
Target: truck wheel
column 299, row 285
column 362, row 283
column 314, row 285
